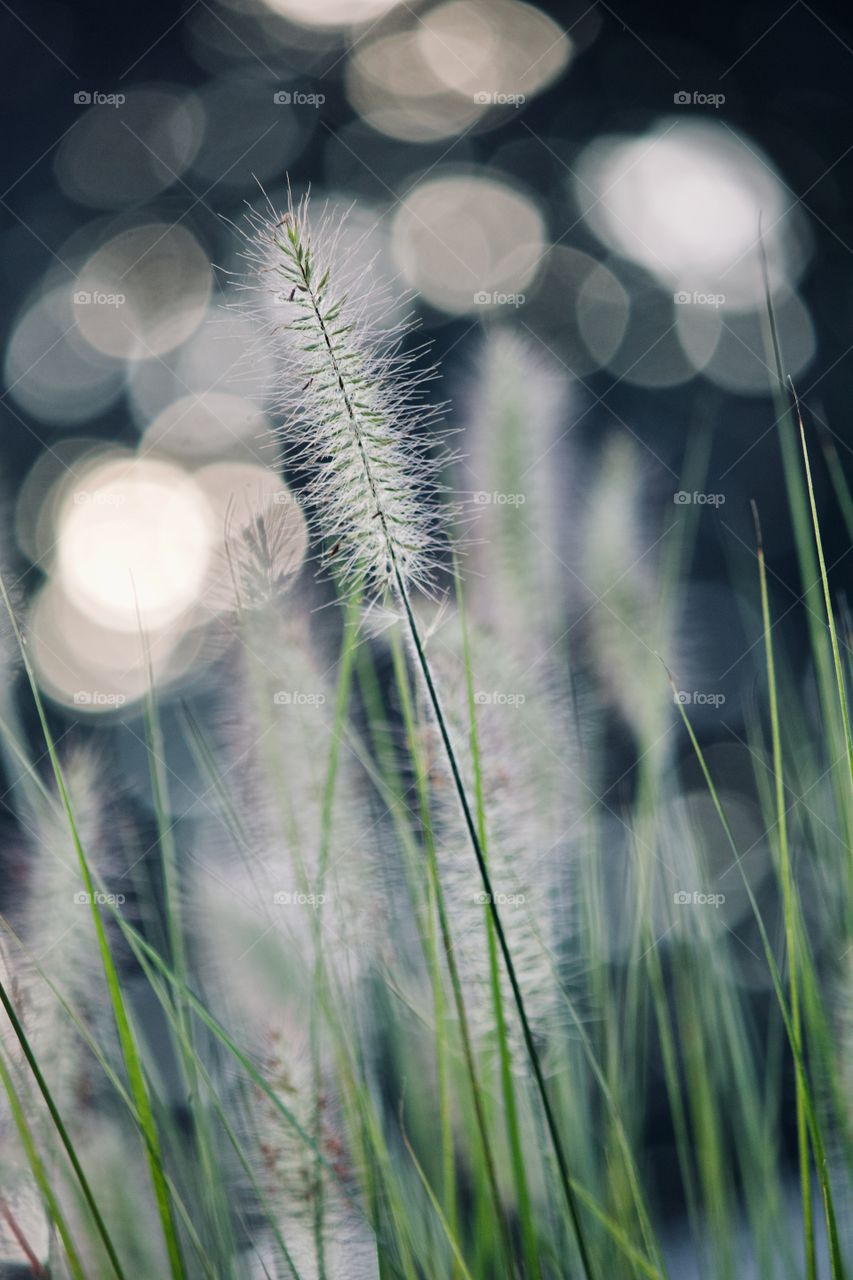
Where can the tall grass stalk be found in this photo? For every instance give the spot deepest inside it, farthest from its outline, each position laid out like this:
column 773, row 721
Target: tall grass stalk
column 792, row 931
column 360, row 401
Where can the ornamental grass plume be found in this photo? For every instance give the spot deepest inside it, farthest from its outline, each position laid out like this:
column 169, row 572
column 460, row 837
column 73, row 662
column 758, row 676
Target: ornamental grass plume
column 292, row 870
column 355, row 419
column 56, row 960
column 24, row 1230
column 285, row 905
column 312, row 1201
column 264, row 547
column 356, row 425
column 57, row 930
column 622, row 621
column 518, row 473
column 525, row 762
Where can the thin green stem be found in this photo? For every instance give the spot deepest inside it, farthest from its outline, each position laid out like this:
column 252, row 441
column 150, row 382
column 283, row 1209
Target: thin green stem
column 789, row 907
column 530, row 1044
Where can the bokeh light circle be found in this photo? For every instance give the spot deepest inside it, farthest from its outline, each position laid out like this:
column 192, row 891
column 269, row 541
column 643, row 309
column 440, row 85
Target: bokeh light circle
column 122, row 154
column 206, row 426
column 468, row 241
column 134, row 542
column 684, row 202
column 143, row 292
column 51, row 372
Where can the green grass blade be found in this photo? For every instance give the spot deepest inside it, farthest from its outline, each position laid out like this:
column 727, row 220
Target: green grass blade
column 836, row 1261
column 827, row 600
column 789, row 907
column 127, row 1039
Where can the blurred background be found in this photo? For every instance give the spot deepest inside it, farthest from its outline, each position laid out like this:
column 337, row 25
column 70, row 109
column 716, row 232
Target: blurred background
column 593, row 179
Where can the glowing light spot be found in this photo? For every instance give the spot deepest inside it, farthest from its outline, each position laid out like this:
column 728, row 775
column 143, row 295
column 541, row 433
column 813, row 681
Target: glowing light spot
column 95, row 669
column 331, row 13
column 134, row 534
column 394, row 88
column 684, row 202
column 462, row 61
column 469, row 242
column 495, row 51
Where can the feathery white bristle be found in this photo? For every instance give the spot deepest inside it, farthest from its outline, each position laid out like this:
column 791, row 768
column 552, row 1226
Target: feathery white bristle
column 622, row 619
column 23, row 1212
column 518, row 484
column 295, row 1184
column 274, row 884
column 58, row 932
column 527, row 761
column 262, row 554
column 355, row 416
column 58, row 946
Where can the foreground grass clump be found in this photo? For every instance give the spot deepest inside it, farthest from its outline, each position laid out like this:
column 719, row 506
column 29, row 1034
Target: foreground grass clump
column 412, row 994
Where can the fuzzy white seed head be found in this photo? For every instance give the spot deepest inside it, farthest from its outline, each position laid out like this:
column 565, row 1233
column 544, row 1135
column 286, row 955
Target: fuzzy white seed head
column 314, row 1200
column 23, row 1226
column 624, row 626
column 355, row 417
column 58, row 935
column 263, row 554
column 58, row 949
column 292, row 870
column 23, row 1216
column 527, row 762
column 518, row 479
